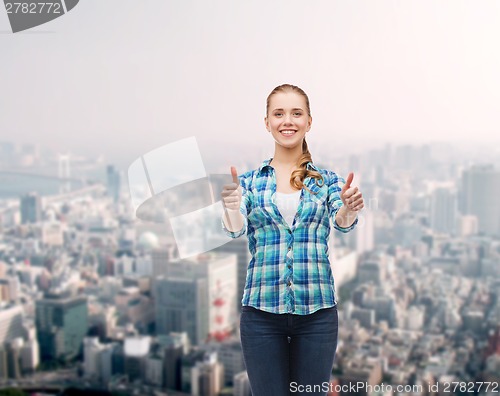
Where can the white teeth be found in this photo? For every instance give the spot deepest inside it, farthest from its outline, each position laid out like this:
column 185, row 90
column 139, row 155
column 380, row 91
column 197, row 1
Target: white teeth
column 287, row 132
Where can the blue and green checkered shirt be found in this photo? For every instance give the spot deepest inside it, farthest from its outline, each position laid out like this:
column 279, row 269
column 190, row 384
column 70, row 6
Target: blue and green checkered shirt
column 289, row 271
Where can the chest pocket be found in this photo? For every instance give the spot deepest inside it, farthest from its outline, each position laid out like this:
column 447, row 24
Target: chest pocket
column 315, row 203
column 259, row 216
column 261, row 212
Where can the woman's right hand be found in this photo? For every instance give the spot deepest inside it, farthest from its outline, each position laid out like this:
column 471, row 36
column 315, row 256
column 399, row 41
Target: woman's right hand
column 231, row 200
column 231, row 193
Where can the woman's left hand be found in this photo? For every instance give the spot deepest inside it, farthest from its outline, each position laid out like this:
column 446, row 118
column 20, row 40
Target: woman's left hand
column 351, row 196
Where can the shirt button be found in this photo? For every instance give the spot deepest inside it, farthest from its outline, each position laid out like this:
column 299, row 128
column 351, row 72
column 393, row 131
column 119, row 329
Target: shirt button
column 289, row 265
column 289, row 283
column 289, row 248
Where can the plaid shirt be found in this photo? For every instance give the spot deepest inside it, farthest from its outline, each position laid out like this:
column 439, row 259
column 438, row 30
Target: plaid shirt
column 290, row 269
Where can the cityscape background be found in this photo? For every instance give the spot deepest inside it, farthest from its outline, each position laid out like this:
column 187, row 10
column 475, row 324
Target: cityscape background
column 90, row 292
column 404, row 94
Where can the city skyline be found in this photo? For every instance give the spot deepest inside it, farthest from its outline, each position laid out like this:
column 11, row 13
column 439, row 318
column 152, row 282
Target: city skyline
column 416, row 283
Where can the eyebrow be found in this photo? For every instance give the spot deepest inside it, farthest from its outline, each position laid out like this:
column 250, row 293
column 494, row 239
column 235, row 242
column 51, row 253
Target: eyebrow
column 296, row 108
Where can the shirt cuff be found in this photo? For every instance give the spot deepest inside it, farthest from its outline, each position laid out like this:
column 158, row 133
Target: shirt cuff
column 235, row 234
column 344, row 229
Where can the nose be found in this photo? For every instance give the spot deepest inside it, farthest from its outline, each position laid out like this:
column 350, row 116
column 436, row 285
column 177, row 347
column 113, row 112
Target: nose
column 287, row 120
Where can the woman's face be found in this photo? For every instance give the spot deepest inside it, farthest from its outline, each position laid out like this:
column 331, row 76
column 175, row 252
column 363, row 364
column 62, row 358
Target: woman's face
column 287, row 119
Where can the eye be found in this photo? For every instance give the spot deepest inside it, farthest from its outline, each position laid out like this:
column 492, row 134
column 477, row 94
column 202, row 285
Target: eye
column 298, row 113
column 276, row 114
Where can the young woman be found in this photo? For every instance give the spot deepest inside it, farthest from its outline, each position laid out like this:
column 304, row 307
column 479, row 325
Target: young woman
column 289, row 322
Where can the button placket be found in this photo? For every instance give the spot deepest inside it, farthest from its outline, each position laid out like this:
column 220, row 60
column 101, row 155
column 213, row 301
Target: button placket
column 289, row 279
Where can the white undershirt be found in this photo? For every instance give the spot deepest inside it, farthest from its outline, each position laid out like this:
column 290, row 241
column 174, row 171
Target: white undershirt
column 287, row 204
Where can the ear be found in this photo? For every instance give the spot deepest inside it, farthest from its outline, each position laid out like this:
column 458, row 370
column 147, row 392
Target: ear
column 266, row 124
column 309, row 123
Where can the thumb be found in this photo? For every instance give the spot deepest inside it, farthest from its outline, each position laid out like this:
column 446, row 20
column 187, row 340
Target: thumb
column 235, row 175
column 348, row 181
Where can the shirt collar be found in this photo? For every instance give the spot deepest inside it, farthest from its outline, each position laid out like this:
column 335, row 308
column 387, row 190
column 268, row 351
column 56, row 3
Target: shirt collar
column 266, row 162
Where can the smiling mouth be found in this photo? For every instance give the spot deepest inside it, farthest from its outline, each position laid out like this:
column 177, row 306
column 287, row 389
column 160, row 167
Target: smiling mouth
column 288, row 132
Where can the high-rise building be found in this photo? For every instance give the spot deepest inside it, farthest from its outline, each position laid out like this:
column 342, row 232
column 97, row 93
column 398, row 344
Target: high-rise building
column 219, row 270
column 136, row 351
column 30, row 356
column 175, row 345
column 113, row 183
column 207, row 377
column 238, row 246
column 62, row 323
column 181, row 304
column 230, row 354
column 106, row 367
column 154, row 373
column 91, row 357
column 30, row 352
column 443, row 211
column 161, row 257
column 14, row 361
column 189, row 361
column 4, row 368
column 11, row 322
column 118, row 359
column 31, row 208
column 14, row 349
column 480, row 190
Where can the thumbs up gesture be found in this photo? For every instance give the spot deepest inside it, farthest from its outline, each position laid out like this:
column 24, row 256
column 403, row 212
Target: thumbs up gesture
column 351, row 196
column 231, row 193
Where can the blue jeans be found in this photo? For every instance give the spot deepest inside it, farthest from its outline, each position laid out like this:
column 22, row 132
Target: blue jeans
column 288, row 354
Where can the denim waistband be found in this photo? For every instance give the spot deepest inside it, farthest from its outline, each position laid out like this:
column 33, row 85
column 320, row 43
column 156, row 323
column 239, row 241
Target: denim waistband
column 249, row 308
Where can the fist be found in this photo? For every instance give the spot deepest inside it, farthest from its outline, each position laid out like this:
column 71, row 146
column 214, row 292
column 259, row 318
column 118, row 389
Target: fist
column 231, row 193
column 350, row 196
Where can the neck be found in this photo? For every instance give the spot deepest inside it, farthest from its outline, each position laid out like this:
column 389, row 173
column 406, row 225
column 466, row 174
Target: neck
column 286, row 156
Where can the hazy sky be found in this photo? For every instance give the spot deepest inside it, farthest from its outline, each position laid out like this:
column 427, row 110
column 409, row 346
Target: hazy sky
column 122, row 77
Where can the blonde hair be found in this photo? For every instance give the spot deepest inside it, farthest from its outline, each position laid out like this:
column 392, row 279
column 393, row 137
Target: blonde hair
column 298, row 175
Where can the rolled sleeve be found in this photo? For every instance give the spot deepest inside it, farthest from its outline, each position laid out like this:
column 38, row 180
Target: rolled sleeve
column 245, row 201
column 235, row 234
column 335, row 203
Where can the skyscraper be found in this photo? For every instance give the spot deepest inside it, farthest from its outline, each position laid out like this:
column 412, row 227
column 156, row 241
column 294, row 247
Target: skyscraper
column 238, row 246
column 61, row 322
column 479, row 197
column 220, row 272
column 11, row 322
column 113, row 182
column 175, row 345
column 207, row 377
column 443, row 211
column 181, row 305
column 198, row 295
column 31, row 208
